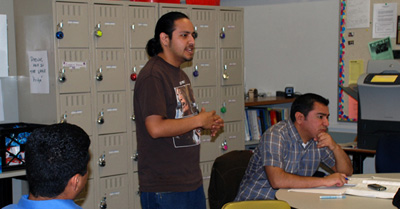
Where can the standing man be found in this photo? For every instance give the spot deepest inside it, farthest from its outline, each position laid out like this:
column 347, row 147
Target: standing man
column 168, row 122
column 56, row 159
column 290, row 152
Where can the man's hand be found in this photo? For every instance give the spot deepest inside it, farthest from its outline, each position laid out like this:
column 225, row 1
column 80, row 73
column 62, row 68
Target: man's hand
column 210, row 120
column 325, row 140
column 336, row 179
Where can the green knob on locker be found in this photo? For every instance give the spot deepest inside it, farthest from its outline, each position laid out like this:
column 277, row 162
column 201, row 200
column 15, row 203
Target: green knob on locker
column 223, row 109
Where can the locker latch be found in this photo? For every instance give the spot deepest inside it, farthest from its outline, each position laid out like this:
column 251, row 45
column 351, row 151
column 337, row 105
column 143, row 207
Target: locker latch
column 100, row 119
column 102, row 160
column 97, row 31
column 99, row 75
column 103, row 203
column 59, row 33
column 225, row 75
column 222, row 33
column 63, row 118
column 196, row 71
column 224, row 145
column 223, row 108
column 135, row 157
column 61, row 76
column 134, row 74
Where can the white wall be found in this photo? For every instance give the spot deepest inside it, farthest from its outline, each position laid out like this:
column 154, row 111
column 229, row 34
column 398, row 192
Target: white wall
column 9, row 84
column 293, row 42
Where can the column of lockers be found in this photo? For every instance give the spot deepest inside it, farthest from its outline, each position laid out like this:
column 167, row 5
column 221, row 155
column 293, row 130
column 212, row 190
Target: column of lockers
column 141, row 24
column 212, row 90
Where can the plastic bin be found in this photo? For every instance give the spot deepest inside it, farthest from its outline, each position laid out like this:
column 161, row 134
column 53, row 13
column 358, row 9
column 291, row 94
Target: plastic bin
column 13, row 137
column 161, row 1
column 204, row 2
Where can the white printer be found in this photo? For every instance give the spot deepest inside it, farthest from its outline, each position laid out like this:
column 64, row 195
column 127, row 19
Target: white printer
column 379, row 103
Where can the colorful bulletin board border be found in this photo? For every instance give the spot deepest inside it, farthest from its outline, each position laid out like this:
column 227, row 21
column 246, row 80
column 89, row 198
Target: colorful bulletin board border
column 341, row 114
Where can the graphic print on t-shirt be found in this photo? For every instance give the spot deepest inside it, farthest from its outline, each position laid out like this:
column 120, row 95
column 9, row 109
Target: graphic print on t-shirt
column 186, row 107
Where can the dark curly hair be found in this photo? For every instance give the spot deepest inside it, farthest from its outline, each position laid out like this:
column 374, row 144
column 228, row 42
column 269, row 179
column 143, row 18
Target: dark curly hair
column 53, row 155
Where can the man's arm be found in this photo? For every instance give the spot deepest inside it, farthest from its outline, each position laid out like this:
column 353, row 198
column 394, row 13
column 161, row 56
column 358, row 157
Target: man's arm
column 279, row 179
column 343, row 162
column 158, row 127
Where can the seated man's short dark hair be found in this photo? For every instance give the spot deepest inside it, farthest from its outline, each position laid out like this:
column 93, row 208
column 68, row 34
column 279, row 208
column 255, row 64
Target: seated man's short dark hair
column 54, row 154
column 305, row 103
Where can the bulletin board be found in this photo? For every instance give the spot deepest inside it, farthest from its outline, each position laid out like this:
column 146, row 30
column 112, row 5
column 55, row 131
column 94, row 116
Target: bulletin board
column 358, row 30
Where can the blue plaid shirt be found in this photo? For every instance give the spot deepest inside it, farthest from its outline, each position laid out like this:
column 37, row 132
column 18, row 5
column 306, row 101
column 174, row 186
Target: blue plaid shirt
column 281, row 146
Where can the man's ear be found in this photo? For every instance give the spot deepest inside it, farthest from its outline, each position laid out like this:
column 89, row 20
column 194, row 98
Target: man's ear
column 75, row 181
column 299, row 117
column 164, row 39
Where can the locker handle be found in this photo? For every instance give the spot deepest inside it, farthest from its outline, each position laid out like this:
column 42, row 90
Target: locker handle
column 222, row 33
column 63, row 118
column 134, row 74
column 103, row 203
column 135, row 157
column 61, row 76
column 133, row 118
column 224, row 145
column 97, row 31
column 102, row 160
column 225, row 75
column 223, row 108
column 99, row 75
column 100, row 119
column 196, row 71
column 59, row 33
column 133, row 26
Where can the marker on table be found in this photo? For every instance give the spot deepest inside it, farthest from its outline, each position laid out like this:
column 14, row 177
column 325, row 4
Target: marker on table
column 333, row 197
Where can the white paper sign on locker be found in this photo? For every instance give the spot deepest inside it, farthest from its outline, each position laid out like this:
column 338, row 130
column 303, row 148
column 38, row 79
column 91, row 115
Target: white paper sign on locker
column 38, row 72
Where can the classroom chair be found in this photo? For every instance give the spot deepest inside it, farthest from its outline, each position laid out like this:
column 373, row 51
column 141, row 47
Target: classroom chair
column 387, row 158
column 226, row 174
column 257, row 204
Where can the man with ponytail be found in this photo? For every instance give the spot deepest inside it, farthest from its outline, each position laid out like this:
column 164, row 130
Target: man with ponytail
column 168, row 121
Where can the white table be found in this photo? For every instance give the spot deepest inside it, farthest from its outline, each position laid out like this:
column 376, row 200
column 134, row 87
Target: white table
column 302, row 200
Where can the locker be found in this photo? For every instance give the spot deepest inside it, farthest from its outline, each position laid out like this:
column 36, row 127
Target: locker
column 233, row 135
column 202, row 71
column 204, row 21
column 76, row 109
column 230, row 31
column 73, row 71
column 206, row 97
column 165, row 8
column 233, row 101
column 142, row 21
column 108, row 26
column 138, row 59
column 231, row 67
column 111, row 113
column 86, row 198
column 72, row 26
column 110, row 70
column 208, row 147
column 114, row 192
column 231, row 139
column 113, row 154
